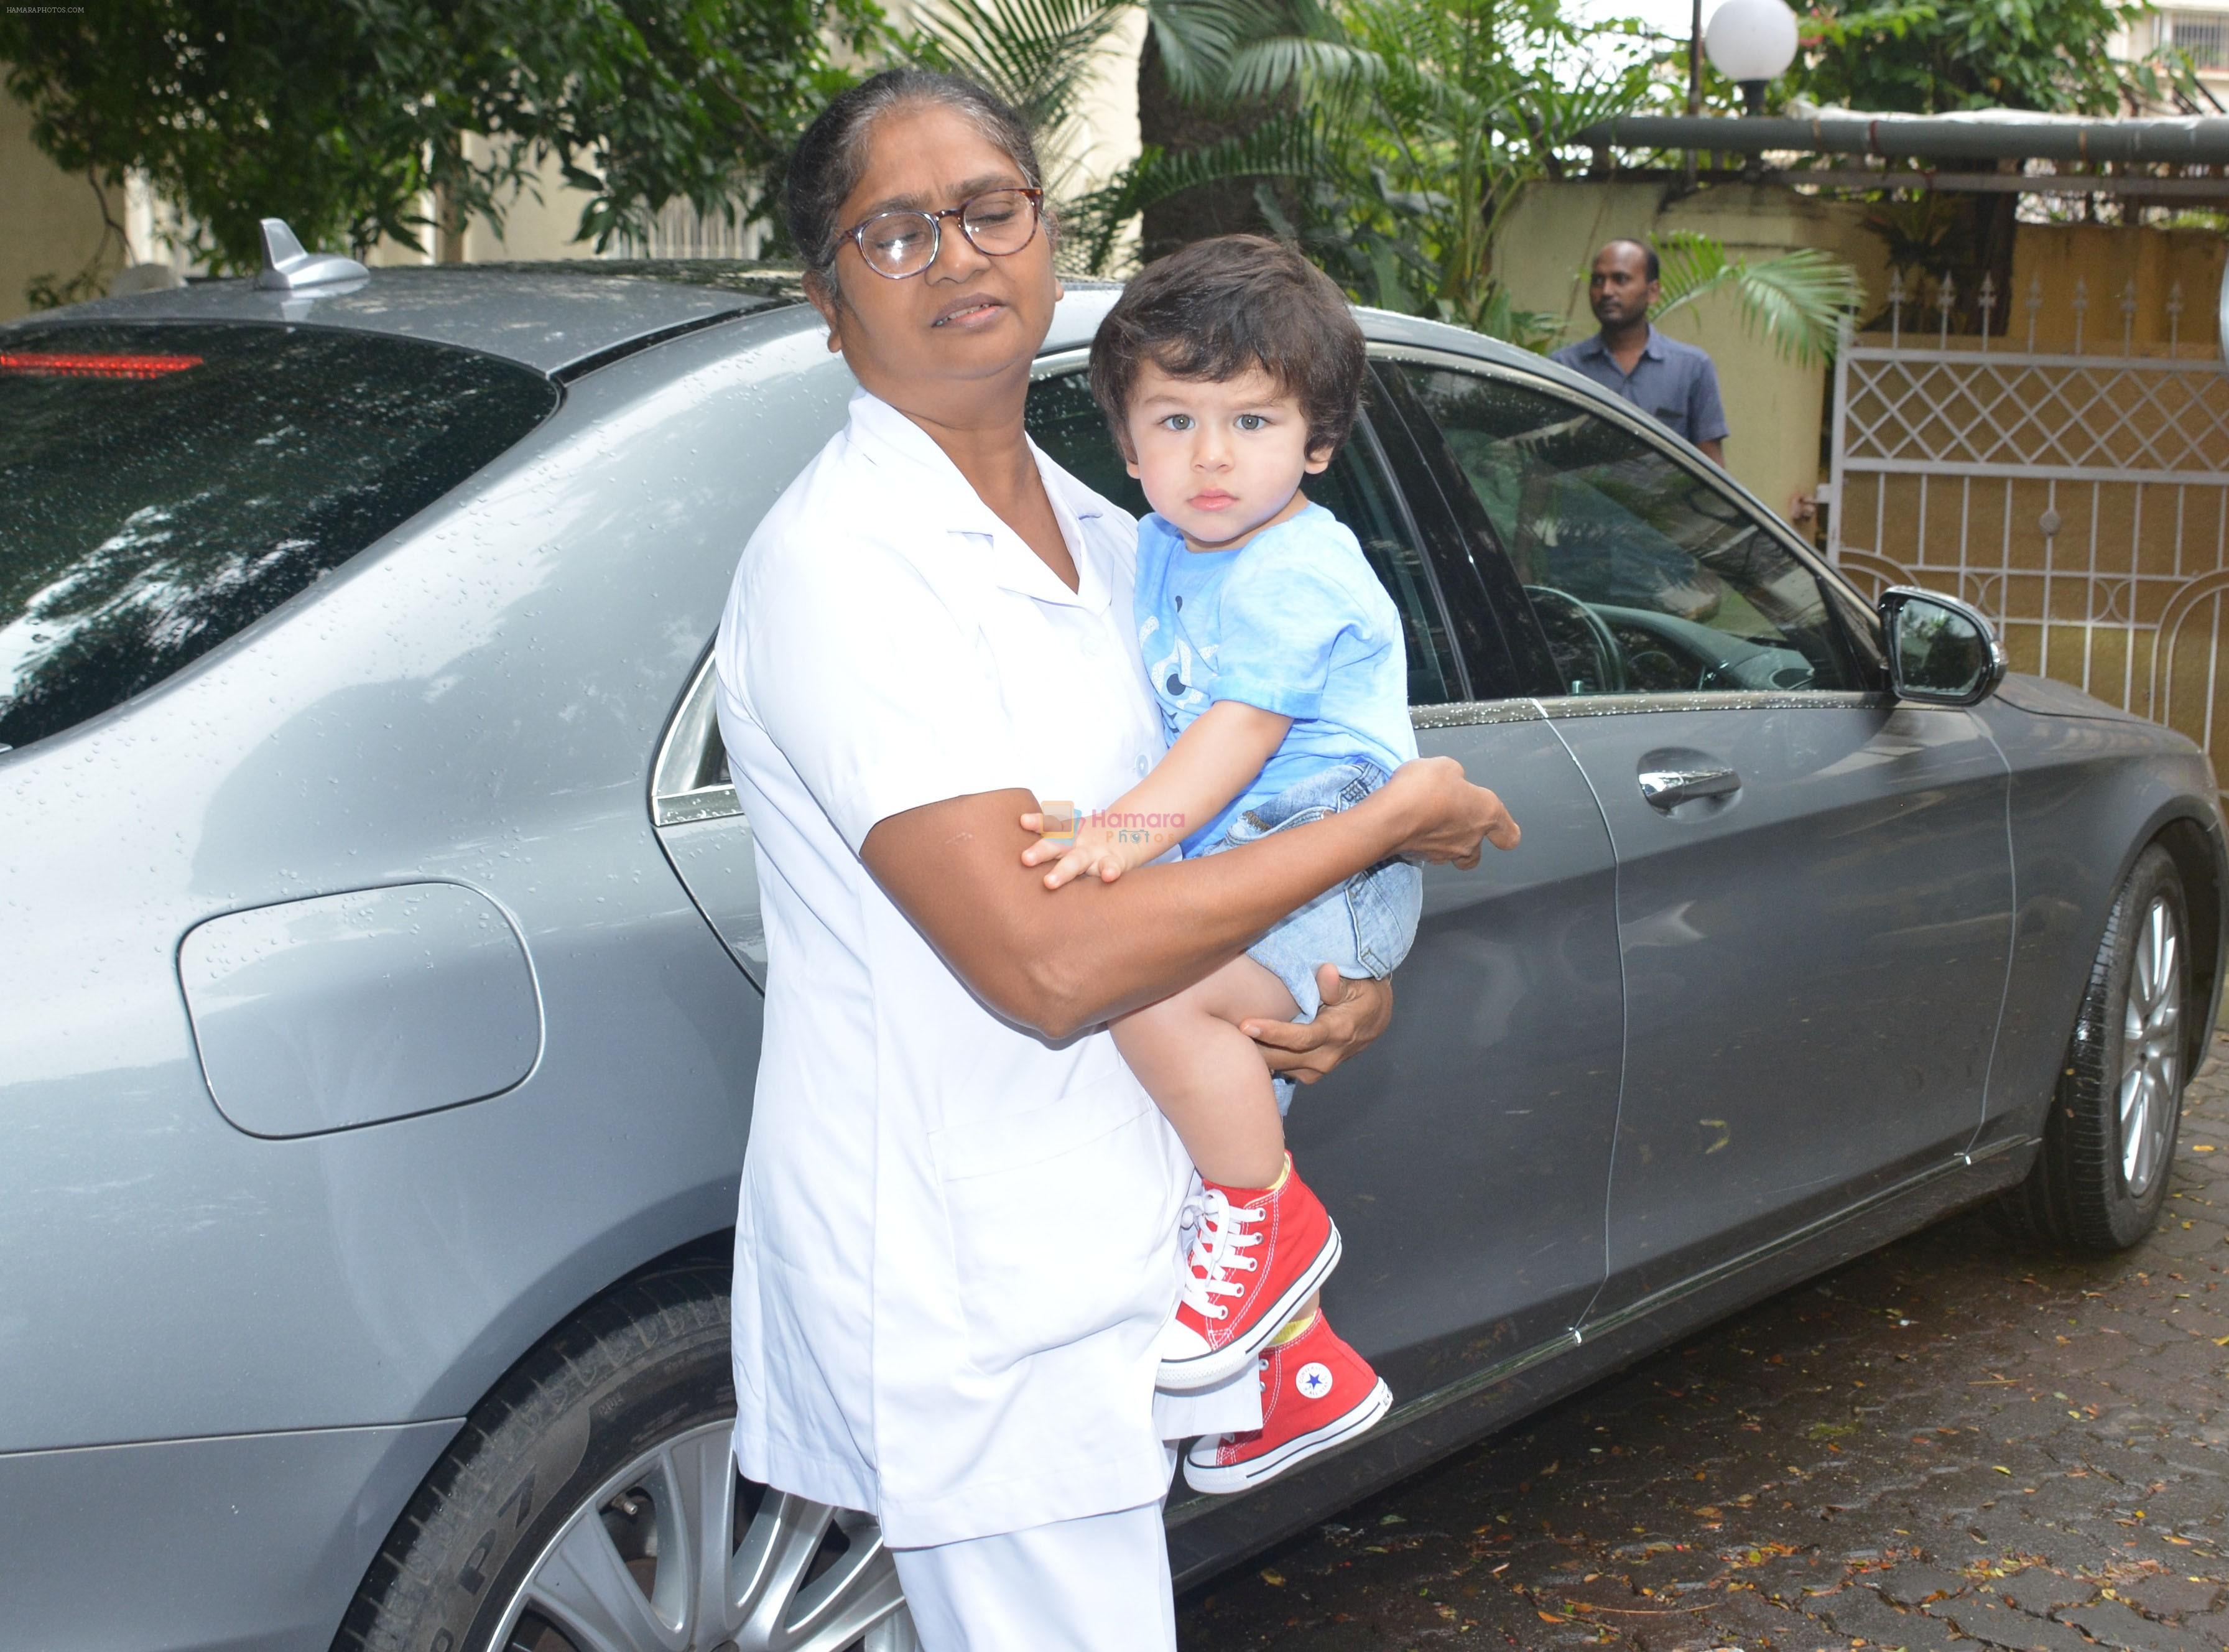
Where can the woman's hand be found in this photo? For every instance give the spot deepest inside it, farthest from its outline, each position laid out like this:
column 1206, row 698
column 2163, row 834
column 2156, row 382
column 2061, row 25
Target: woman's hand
column 1441, row 815
column 1354, row 1012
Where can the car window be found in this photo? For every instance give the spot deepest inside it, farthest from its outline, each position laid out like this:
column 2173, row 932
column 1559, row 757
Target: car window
column 169, row 485
column 1646, row 576
column 1066, row 422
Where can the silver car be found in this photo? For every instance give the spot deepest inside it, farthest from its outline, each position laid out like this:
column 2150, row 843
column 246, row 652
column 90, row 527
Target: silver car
column 382, row 967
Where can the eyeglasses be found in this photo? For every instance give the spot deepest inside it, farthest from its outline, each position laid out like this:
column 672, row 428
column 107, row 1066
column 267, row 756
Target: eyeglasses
column 903, row 242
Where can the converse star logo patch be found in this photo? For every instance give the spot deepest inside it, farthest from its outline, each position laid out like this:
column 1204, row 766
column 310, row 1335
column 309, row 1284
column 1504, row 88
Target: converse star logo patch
column 1312, row 1379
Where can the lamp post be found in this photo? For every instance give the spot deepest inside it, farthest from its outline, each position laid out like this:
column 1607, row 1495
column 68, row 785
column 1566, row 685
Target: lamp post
column 1694, row 93
column 1751, row 42
column 2223, row 314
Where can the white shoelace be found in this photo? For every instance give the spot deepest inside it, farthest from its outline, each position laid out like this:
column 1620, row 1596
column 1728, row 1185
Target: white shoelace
column 1215, row 1254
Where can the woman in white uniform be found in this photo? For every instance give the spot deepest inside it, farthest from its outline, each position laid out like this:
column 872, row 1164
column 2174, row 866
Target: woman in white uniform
column 958, row 1231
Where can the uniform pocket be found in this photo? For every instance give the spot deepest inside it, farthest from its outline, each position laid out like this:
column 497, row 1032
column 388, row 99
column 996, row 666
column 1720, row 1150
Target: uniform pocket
column 1059, row 1216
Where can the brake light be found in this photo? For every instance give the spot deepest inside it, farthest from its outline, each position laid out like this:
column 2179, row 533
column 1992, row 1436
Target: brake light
column 52, row 364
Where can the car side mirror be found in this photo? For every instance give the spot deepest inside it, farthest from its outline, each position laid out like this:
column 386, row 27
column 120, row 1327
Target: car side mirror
column 1940, row 652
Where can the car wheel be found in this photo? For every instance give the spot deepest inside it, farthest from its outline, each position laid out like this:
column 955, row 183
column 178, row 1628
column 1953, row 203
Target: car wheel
column 591, row 1504
column 2109, row 1137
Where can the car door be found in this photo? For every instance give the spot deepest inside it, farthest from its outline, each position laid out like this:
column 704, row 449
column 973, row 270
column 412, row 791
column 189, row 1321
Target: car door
column 1466, row 1156
column 1814, row 885
column 701, row 828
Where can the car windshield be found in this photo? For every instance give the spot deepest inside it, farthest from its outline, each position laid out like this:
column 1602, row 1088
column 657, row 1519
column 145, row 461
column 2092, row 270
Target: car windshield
column 167, row 486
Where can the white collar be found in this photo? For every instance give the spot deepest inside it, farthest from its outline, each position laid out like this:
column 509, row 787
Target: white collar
column 885, row 436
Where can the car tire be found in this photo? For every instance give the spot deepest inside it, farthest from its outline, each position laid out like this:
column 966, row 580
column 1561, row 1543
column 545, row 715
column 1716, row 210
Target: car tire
column 2109, row 1135
column 590, row 1504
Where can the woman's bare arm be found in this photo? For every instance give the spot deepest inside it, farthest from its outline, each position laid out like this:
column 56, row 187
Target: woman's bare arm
column 1058, row 966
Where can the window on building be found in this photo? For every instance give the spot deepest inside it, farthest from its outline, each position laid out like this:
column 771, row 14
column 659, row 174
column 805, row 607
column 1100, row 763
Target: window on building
column 2203, row 34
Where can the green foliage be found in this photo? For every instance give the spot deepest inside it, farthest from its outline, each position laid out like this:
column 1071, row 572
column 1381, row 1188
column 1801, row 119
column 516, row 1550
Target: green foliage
column 1796, row 301
column 1040, row 56
column 52, row 291
column 1416, row 125
column 1285, row 145
column 1403, row 129
column 340, row 116
column 1944, row 56
column 1937, row 56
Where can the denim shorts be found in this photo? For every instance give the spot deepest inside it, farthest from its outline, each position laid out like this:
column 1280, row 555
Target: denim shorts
column 1365, row 926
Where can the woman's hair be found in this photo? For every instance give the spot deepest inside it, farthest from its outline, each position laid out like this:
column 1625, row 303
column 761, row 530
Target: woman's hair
column 829, row 160
column 1219, row 308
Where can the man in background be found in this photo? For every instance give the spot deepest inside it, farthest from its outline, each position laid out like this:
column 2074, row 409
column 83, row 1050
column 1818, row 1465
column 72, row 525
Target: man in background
column 1674, row 383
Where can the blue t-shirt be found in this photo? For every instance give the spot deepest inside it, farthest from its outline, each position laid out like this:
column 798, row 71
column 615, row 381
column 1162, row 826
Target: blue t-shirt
column 1293, row 621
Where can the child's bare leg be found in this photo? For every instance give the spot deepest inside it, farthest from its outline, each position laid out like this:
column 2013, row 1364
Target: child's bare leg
column 1207, row 1078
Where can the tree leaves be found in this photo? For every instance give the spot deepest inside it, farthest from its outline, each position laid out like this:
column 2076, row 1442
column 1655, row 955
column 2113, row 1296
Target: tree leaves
column 1409, row 127
column 340, row 117
column 1937, row 56
column 1796, row 301
column 1036, row 54
column 1415, row 127
column 1040, row 56
column 1284, row 146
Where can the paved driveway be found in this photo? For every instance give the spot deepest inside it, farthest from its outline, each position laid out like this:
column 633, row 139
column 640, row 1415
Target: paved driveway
column 1948, row 1444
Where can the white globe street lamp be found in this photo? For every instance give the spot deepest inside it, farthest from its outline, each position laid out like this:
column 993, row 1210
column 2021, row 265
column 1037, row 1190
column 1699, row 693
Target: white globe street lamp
column 1751, row 42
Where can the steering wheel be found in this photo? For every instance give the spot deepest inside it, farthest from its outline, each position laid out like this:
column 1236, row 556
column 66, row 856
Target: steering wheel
column 1558, row 610
column 1726, row 673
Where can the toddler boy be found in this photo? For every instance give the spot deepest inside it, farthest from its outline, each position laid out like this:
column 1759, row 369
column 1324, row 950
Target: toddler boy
column 1229, row 372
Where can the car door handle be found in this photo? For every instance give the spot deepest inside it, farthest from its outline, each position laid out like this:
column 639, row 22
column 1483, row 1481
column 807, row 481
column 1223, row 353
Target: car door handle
column 1666, row 789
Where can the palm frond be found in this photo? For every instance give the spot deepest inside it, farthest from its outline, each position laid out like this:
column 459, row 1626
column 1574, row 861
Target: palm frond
column 1302, row 64
column 1568, row 104
column 1199, row 40
column 1691, row 265
column 1501, row 317
column 1041, row 55
column 1036, row 54
column 1285, row 145
column 1796, row 301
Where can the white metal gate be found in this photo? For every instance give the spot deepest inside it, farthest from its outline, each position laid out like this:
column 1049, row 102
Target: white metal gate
column 2081, row 501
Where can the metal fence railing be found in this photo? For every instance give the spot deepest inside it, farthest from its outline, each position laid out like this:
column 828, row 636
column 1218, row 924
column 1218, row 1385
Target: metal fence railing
column 2080, row 497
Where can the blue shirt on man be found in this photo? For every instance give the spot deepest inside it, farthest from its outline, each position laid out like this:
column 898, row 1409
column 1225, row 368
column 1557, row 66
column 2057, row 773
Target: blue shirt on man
column 1674, row 383
column 1293, row 621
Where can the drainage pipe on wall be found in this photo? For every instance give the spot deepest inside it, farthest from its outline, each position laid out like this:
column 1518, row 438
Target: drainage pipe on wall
column 2192, row 141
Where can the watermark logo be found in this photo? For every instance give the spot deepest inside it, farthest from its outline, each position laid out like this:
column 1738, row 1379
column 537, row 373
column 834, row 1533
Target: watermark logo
column 1064, row 821
column 1139, row 825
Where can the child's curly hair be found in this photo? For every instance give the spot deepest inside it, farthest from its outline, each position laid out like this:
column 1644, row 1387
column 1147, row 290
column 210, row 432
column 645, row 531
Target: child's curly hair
column 1217, row 308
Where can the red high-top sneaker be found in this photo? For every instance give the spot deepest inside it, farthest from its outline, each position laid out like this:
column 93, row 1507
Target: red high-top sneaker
column 1258, row 1257
column 1316, row 1393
